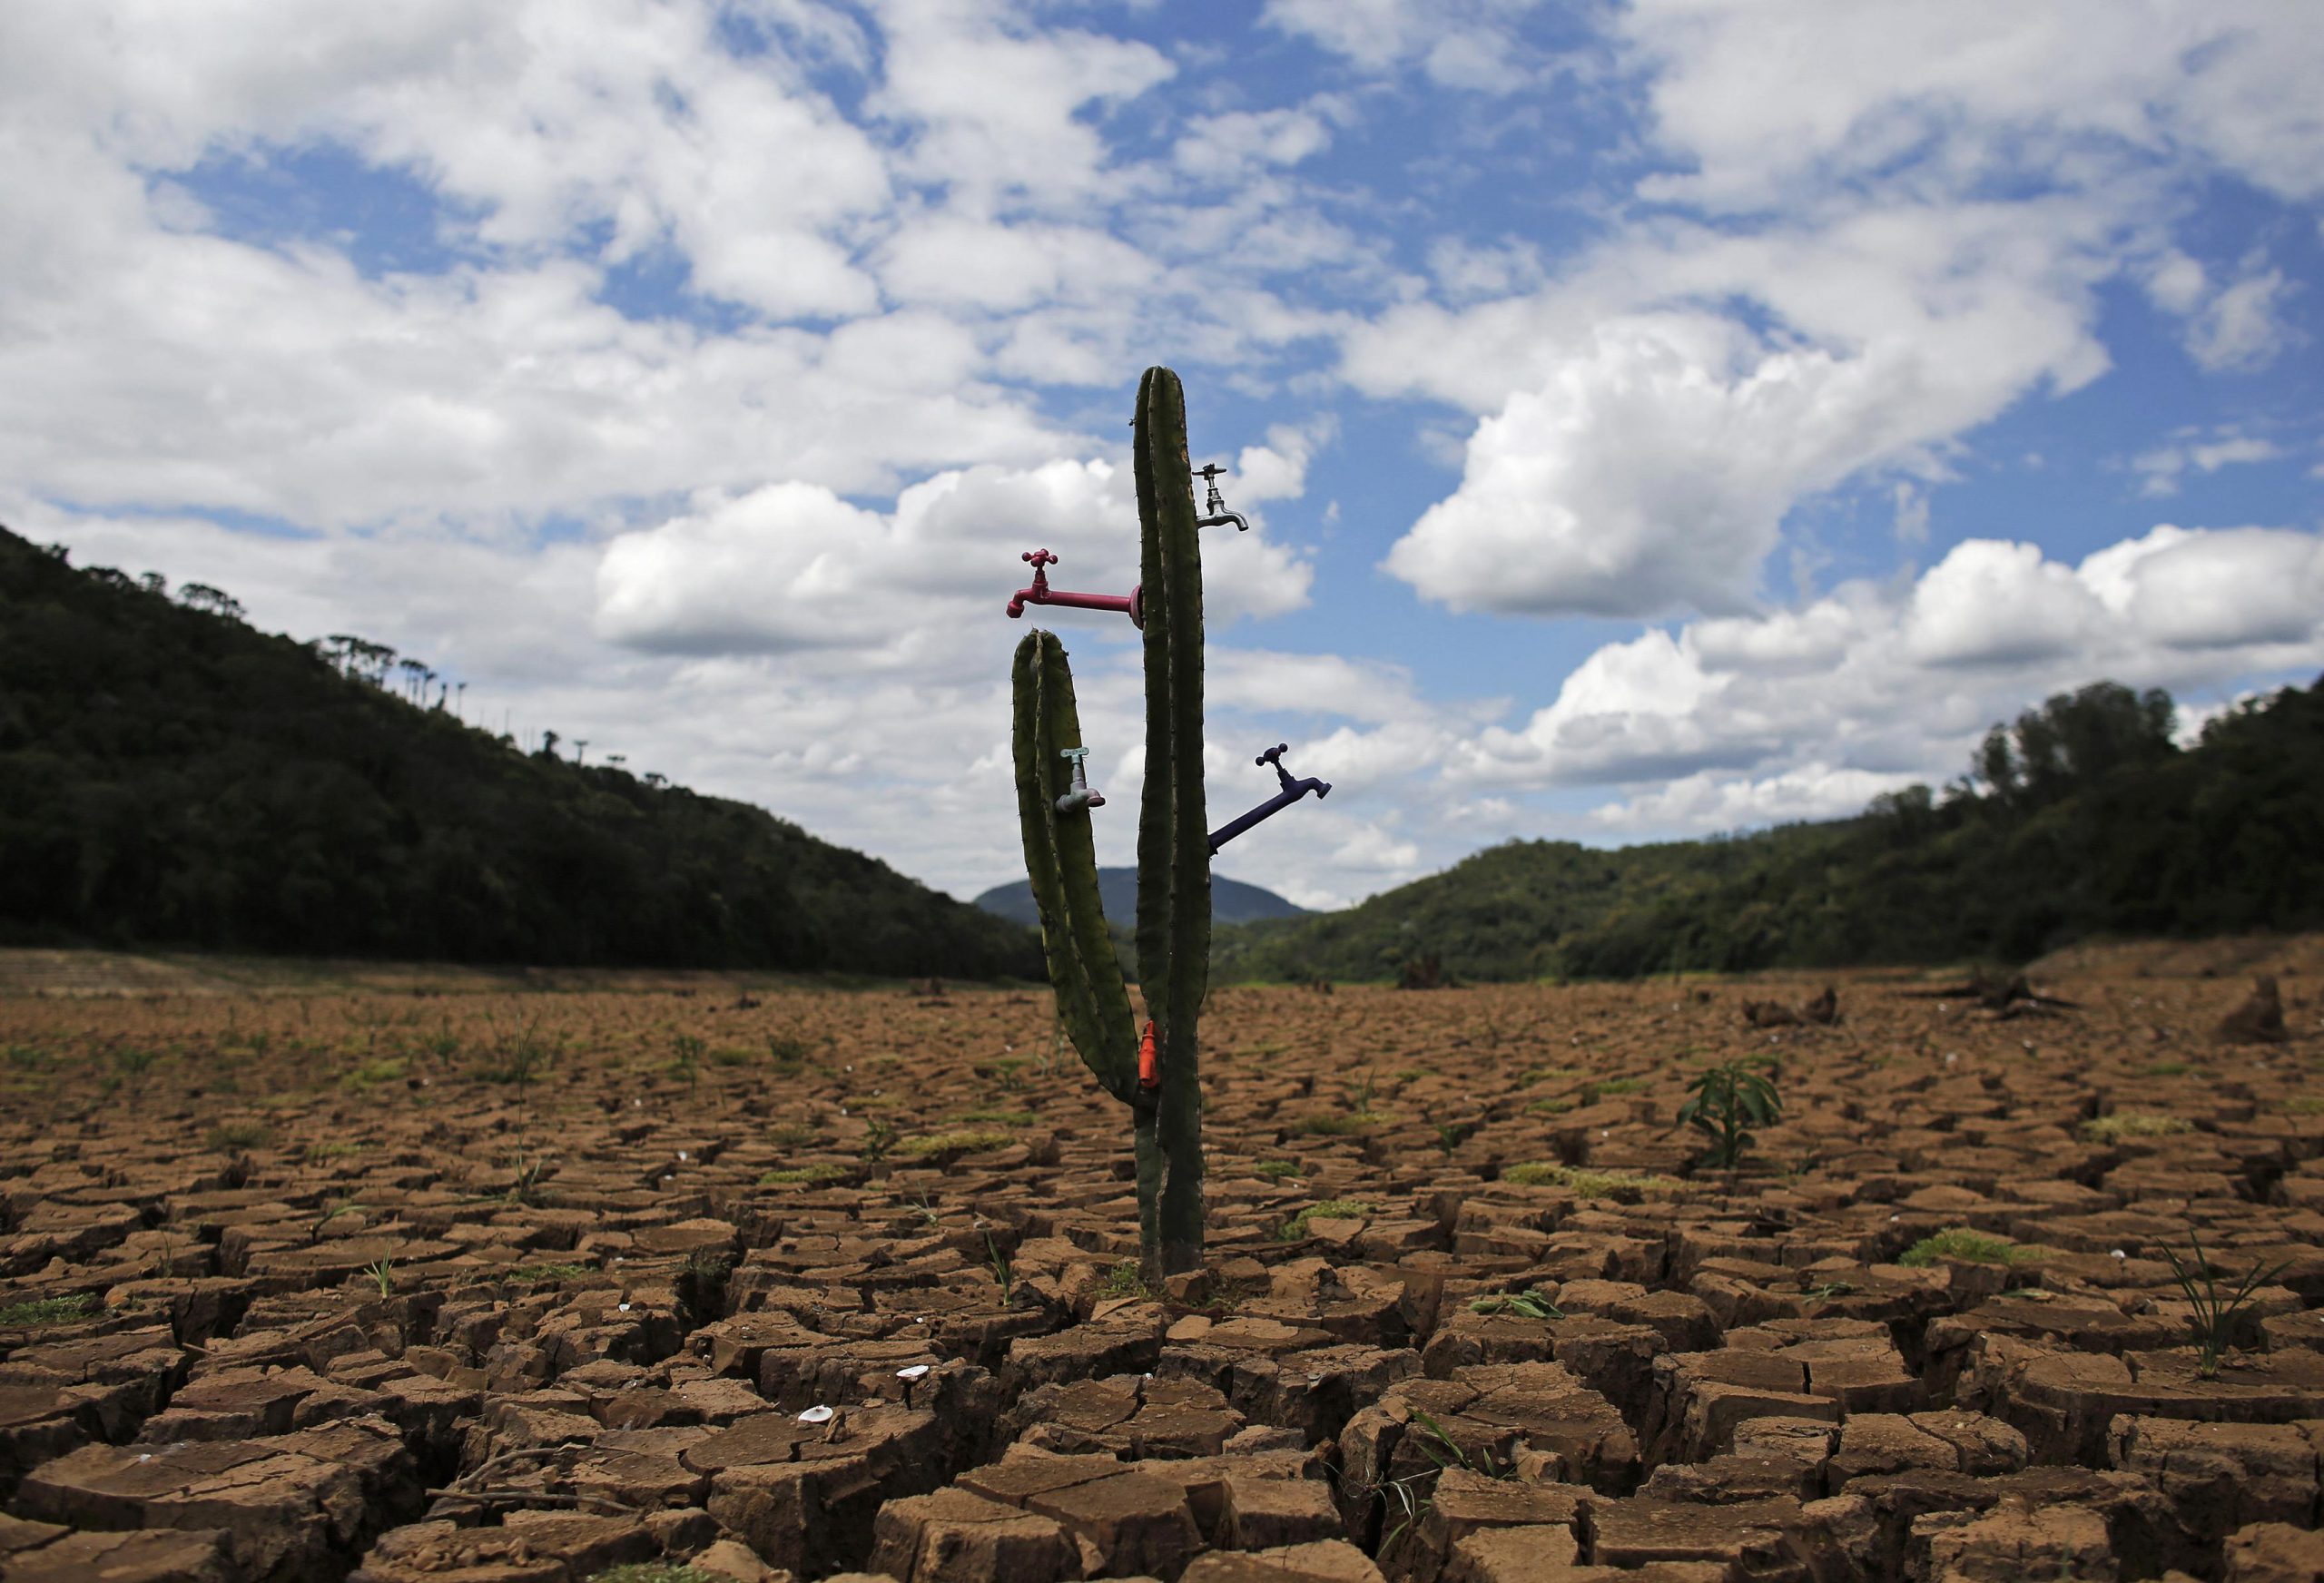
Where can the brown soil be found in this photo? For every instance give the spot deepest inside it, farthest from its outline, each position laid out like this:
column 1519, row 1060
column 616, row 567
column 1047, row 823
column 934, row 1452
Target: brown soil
column 412, row 1274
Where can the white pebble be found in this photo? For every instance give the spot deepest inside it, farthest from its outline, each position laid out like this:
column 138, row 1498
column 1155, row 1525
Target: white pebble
column 917, row 1371
column 817, row 1415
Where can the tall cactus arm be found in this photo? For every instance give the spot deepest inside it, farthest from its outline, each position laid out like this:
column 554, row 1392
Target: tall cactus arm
column 1061, row 862
column 1154, row 799
column 1174, row 842
column 1189, row 811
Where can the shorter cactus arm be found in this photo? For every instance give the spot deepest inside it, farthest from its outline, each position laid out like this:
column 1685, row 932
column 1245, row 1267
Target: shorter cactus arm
column 1061, row 861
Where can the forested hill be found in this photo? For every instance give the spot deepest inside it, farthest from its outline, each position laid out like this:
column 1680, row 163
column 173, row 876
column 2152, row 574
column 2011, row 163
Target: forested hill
column 171, row 776
column 2081, row 821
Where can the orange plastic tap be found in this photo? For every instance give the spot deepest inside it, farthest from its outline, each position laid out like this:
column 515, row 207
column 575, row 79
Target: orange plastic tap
column 1149, row 1069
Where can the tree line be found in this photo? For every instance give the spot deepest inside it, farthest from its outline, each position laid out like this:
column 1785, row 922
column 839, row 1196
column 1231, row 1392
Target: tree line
column 171, row 776
column 2082, row 819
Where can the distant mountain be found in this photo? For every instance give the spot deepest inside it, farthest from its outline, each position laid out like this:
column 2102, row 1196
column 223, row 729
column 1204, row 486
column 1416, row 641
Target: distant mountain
column 1231, row 900
column 170, row 776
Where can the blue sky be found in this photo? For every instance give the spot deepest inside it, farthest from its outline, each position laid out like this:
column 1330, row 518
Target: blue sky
column 1659, row 418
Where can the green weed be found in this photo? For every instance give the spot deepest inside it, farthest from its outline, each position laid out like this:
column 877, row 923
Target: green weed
column 1344, row 1125
column 1725, row 1102
column 2129, row 1123
column 1523, row 1304
column 1622, row 1186
column 49, row 1310
column 964, row 1141
column 1295, row 1228
column 229, row 1136
column 1973, row 1247
column 2218, row 1310
column 1126, row 1280
column 814, row 1176
column 530, row 1274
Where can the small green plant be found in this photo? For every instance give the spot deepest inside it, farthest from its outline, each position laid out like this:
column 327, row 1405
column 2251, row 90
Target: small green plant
column 731, row 1055
column 1623, row 1186
column 702, row 1284
column 2305, row 1105
column 879, row 1136
column 967, row 1141
column 1522, row 1304
column 926, row 1209
column 528, row 1274
column 1276, row 1170
column 1452, row 1135
column 685, row 1059
column 1342, row 1125
column 332, row 1212
column 1960, row 1243
column 232, row 1137
column 1451, row 1456
column 789, row 1055
column 372, row 1074
column 2129, row 1123
column 658, row 1572
column 1591, row 1093
column 1000, row 1118
column 1432, row 1441
column 49, row 1310
column 383, row 1274
column 130, row 1066
column 1827, row 1290
column 791, row 1137
column 815, row 1175
column 1126, row 1280
column 1550, row 1104
column 2219, row 1310
column 25, row 1058
column 2166, row 1069
column 1003, row 1272
column 1295, row 1228
column 1725, row 1102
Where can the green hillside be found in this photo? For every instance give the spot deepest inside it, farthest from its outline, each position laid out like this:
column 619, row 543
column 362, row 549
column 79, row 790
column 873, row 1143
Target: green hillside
column 2081, row 821
column 171, row 776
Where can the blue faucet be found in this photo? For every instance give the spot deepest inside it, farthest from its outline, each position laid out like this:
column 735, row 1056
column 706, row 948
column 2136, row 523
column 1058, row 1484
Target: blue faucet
column 1293, row 790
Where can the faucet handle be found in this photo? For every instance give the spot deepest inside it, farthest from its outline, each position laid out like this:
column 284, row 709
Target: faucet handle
column 1076, row 754
column 1037, row 559
column 1208, row 473
column 1274, row 755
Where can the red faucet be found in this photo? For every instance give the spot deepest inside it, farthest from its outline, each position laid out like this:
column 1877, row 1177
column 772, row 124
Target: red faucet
column 1041, row 593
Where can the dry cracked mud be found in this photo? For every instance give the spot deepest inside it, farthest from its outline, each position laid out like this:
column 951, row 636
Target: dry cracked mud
column 441, row 1280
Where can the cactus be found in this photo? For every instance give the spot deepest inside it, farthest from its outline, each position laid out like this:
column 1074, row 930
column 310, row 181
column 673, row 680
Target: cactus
column 1173, row 850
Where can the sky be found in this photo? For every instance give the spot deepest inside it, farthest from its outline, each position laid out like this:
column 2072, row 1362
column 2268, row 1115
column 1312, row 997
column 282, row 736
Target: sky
column 1656, row 417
